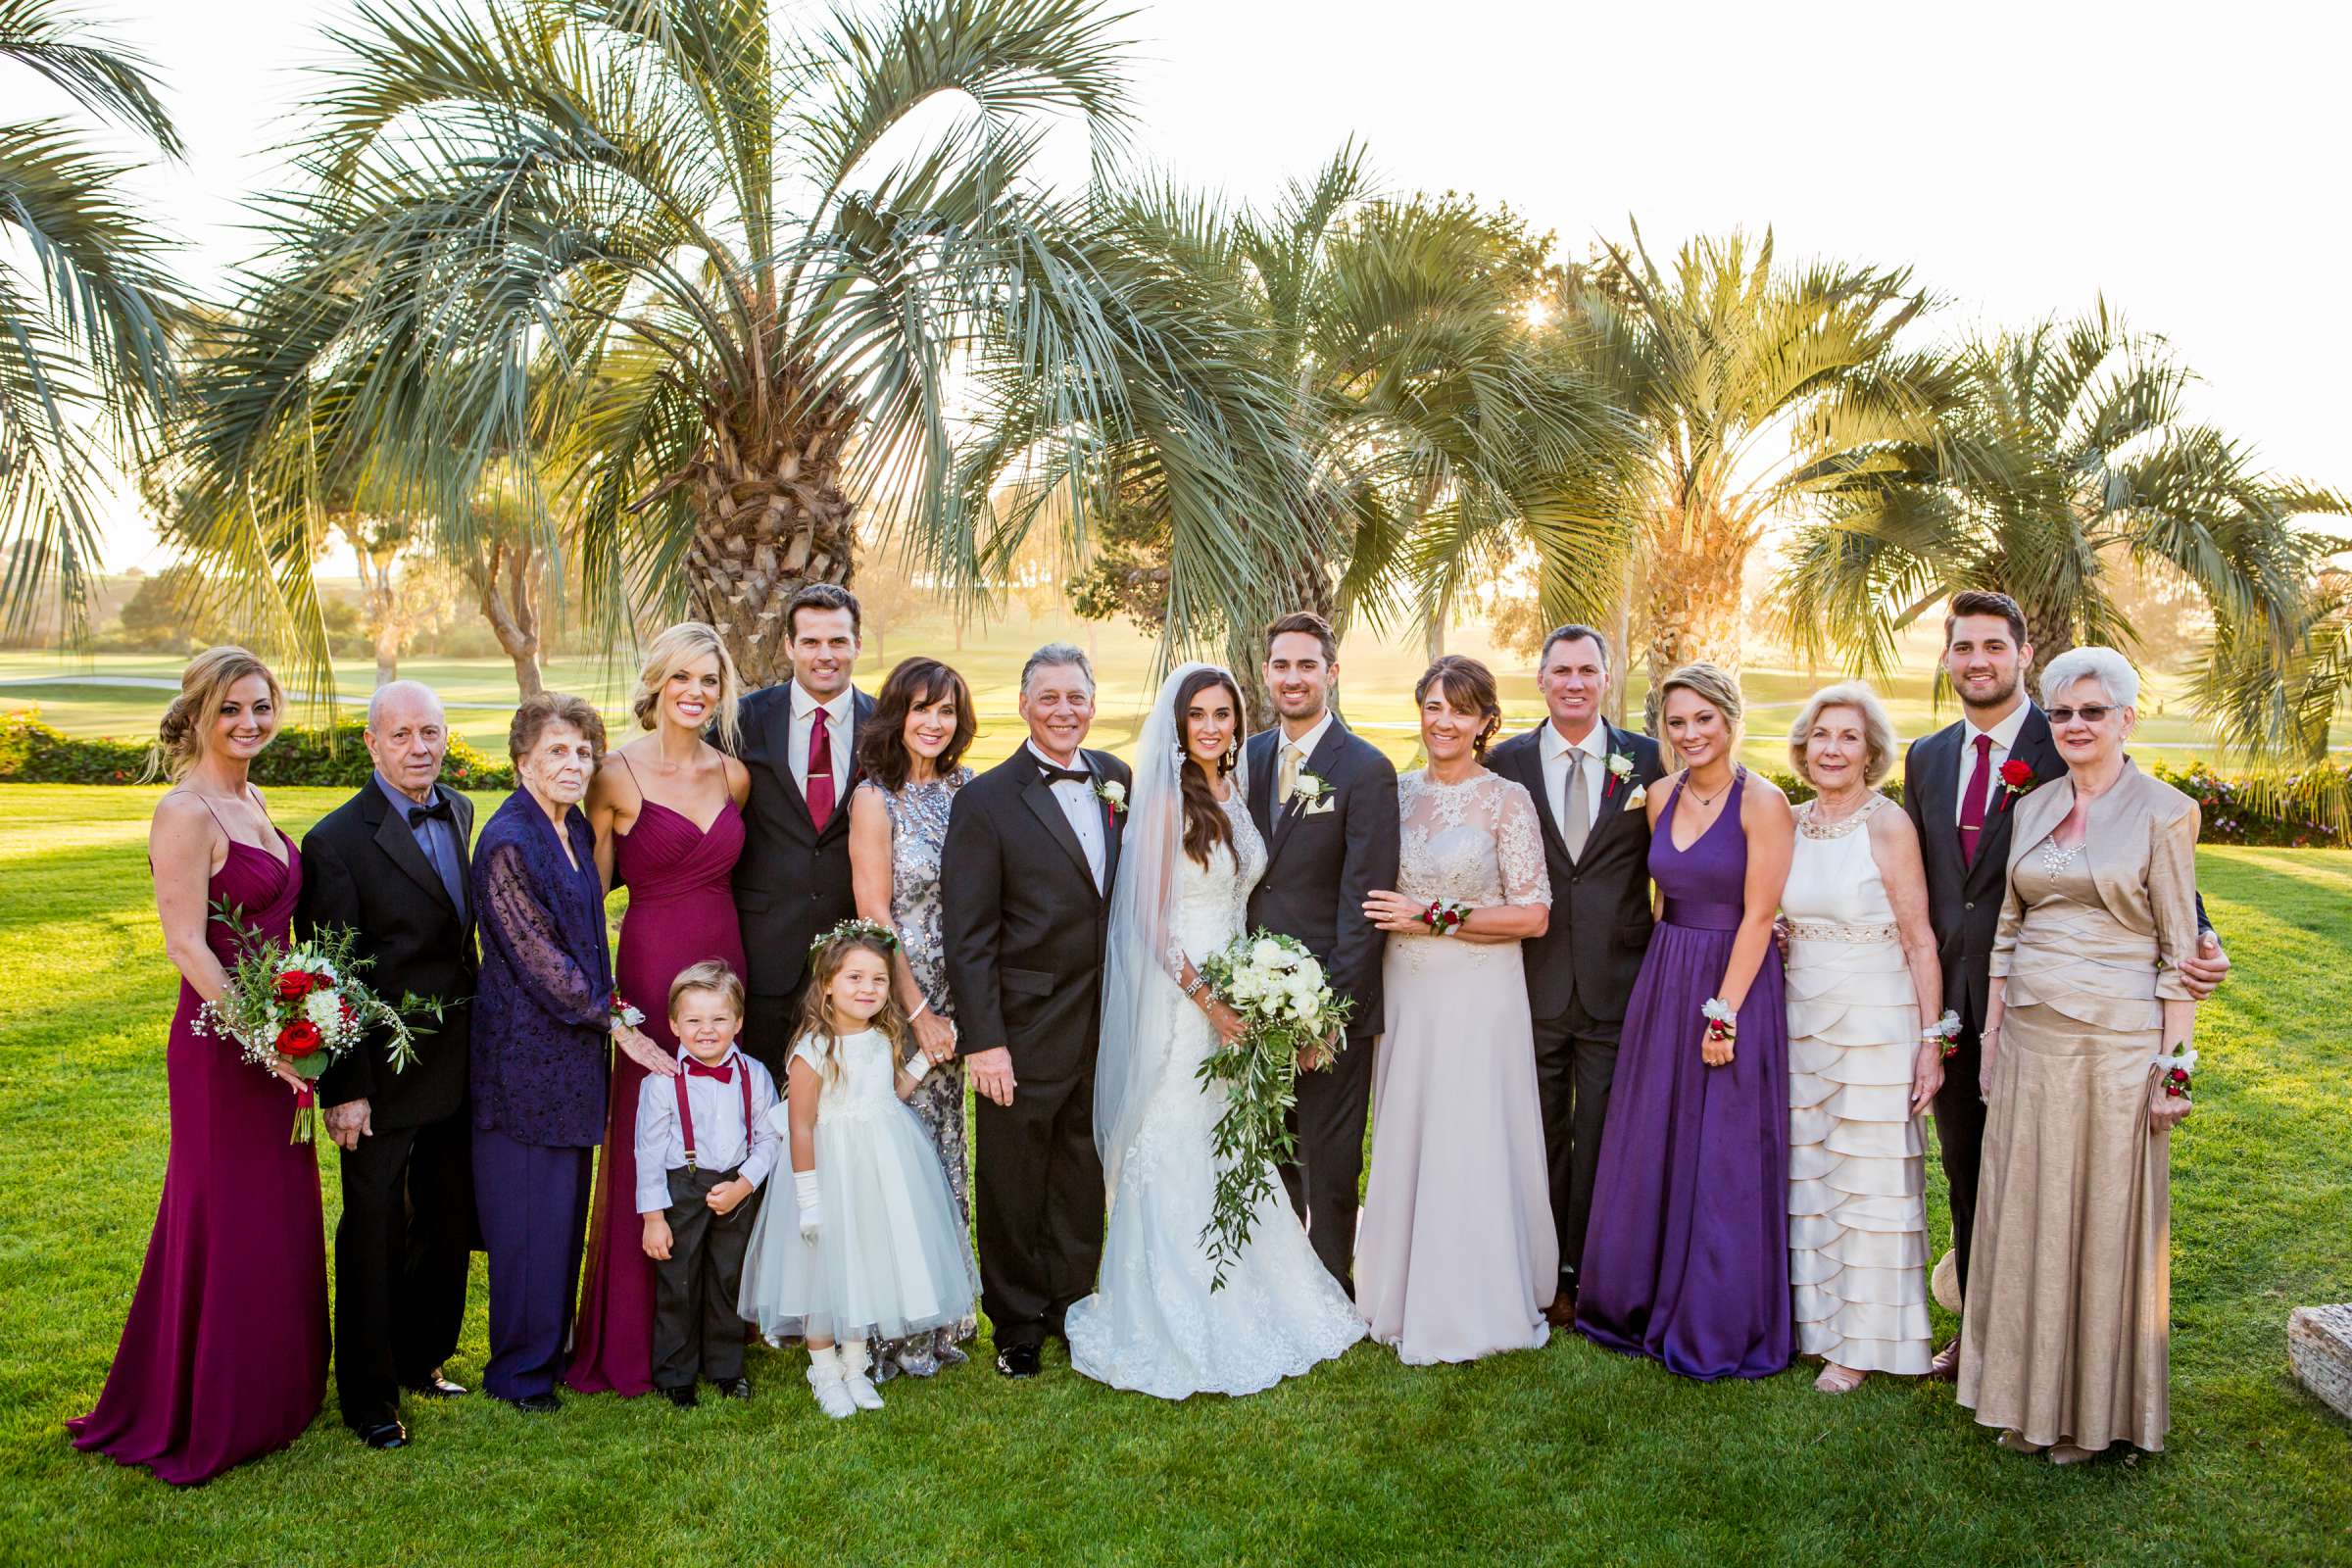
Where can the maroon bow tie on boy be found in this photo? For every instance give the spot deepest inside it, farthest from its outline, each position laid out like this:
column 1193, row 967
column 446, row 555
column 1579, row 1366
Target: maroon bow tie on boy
column 724, row 1073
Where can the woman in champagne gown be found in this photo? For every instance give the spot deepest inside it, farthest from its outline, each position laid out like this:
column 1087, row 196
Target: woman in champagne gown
column 1457, row 1256
column 224, row 1357
column 680, row 877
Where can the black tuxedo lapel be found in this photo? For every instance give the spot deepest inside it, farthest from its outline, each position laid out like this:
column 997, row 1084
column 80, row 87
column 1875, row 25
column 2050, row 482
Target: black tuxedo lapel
column 1259, row 753
column 1318, row 762
column 398, row 840
column 1523, row 766
column 1114, row 827
column 1038, row 796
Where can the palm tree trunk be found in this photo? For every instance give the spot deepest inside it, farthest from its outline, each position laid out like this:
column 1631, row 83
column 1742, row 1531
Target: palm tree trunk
column 774, row 520
column 1693, row 589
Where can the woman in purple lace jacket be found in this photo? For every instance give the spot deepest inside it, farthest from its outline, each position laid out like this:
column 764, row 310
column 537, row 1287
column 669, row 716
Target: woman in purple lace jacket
column 541, row 1023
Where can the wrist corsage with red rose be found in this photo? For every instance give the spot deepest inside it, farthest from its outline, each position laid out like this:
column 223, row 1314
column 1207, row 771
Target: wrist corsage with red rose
column 2174, row 1067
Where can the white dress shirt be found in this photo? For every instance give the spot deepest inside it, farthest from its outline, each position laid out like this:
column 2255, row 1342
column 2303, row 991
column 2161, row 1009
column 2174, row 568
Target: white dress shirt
column 1304, row 745
column 720, row 1140
column 2004, row 737
column 1591, row 754
column 1079, row 803
column 840, row 713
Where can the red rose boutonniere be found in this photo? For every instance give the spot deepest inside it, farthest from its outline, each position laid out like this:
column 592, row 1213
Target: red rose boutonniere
column 2017, row 778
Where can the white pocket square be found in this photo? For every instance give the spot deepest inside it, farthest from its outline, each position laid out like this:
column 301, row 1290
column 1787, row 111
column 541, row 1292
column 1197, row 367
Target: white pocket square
column 1639, row 798
column 1316, row 807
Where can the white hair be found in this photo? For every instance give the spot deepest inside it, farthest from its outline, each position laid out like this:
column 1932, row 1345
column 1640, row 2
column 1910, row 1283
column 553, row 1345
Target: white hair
column 2111, row 669
column 1878, row 731
column 392, row 691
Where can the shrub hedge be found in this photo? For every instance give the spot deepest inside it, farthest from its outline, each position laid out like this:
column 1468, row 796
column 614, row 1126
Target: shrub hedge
column 2237, row 809
column 35, row 753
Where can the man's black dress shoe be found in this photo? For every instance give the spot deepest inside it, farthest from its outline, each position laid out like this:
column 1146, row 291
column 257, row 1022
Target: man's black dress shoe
column 385, row 1434
column 682, row 1396
column 436, row 1387
column 537, row 1404
column 1017, row 1360
column 732, row 1388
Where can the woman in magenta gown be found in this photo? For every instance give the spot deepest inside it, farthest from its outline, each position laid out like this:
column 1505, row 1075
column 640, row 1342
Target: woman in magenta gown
column 224, row 1357
column 1686, row 1255
column 676, row 856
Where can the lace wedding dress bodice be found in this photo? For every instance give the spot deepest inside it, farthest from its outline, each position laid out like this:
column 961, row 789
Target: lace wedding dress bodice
column 1154, row 1325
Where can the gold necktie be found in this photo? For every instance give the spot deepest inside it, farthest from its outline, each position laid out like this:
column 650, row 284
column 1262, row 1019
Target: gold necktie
column 1286, row 779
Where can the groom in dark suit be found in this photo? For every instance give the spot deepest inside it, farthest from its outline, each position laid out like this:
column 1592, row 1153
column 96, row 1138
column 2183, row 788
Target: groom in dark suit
column 1588, row 780
column 1957, row 796
column 1325, row 802
column 799, row 740
column 391, row 863
column 1031, row 857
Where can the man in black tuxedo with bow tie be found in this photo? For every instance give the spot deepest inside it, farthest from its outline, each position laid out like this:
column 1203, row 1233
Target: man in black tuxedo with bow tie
column 791, row 882
column 1325, row 802
column 1587, row 778
column 1959, row 785
column 391, row 865
column 1031, row 857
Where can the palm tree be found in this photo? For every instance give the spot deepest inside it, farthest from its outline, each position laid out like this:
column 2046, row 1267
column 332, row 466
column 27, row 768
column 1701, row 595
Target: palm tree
column 1429, row 430
column 84, row 352
column 2068, row 450
column 1755, row 390
column 683, row 255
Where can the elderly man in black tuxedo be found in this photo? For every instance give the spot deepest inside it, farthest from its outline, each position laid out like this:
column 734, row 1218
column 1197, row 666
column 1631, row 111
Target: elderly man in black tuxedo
column 391, row 863
column 1032, row 854
column 1958, row 784
column 1587, row 778
column 1325, row 802
column 799, row 740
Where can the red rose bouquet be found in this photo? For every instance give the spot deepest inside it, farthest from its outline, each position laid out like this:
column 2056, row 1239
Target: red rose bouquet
column 303, row 1004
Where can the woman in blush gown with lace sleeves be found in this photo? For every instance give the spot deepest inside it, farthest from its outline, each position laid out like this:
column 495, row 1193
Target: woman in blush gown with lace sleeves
column 1457, row 1257
column 224, row 1357
column 1157, row 1322
column 667, row 810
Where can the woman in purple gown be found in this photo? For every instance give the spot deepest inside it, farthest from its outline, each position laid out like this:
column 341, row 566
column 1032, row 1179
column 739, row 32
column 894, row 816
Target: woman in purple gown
column 667, row 810
column 1687, row 1256
column 224, row 1357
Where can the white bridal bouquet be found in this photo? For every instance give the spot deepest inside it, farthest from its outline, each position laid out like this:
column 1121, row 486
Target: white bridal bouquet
column 1294, row 1023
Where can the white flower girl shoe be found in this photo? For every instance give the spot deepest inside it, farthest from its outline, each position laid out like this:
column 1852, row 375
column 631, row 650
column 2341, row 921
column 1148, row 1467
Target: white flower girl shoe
column 825, row 1382
column 853, row 1377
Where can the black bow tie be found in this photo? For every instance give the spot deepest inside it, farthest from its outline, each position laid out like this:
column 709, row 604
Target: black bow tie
column 1054, row 775
column 420, row 814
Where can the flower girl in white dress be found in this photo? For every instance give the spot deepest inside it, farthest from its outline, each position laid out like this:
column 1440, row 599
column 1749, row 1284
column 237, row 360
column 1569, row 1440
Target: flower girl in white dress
column 872, row 1248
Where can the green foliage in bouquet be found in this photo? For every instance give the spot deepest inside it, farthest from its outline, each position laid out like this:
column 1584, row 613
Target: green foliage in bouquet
column 1293, row 1022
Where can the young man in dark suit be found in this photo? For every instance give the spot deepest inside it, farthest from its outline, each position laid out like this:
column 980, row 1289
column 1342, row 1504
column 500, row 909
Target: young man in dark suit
column 391, row 863
column 1588, row 780
column 1031, row 858
column 1325, row 802
column 1958, row 800
column 799, row 740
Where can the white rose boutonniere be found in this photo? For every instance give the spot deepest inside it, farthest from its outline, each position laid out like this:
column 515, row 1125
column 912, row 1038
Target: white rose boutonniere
column 1314, row 794
column 1112, row 794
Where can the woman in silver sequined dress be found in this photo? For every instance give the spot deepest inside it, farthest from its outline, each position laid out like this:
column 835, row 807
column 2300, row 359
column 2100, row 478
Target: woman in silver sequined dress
column 909, row 755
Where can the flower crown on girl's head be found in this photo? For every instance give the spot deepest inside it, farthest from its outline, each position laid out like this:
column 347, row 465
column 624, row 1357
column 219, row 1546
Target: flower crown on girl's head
column 870, row 930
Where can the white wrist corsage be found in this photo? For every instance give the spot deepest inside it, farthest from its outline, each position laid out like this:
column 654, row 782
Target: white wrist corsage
column 1944, row 1031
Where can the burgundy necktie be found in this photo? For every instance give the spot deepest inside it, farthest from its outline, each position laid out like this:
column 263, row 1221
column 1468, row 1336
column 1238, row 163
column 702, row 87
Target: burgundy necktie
column 1972, row 803
column 820, row 771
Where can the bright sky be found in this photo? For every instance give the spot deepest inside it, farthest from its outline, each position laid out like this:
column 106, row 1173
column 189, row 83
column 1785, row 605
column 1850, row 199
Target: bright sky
column 2020, row 157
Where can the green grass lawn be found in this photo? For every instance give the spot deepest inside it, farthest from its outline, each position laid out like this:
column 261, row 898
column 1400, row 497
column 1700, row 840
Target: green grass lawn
column 1566, row 1454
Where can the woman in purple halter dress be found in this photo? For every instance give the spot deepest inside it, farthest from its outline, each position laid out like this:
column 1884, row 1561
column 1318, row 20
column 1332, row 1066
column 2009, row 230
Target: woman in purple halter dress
column 224, row 1357
column 681, row 877
column 1687, row 1256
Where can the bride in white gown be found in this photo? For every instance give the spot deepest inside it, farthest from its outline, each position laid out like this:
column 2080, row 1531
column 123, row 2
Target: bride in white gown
column 1153, row 1324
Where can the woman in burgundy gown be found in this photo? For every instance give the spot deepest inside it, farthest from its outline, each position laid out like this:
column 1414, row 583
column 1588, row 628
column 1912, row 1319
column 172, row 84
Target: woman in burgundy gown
column 668, row 820
column 224, row 1357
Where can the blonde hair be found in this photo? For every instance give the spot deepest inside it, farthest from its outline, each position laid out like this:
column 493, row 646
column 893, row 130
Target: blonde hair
column 688, row 639
column 203, row 686
column 711, row 975
column 1878, row 731
column 816, row 1005
column 1711, row 684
